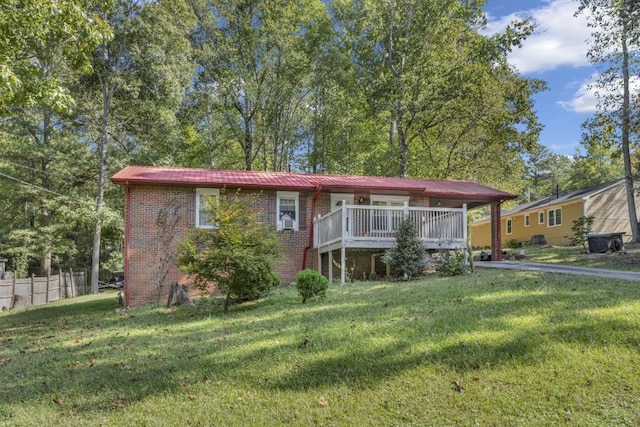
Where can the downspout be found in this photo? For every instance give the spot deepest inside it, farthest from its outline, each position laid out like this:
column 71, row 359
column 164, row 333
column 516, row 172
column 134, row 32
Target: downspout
column 313, row 214
column 127, row 238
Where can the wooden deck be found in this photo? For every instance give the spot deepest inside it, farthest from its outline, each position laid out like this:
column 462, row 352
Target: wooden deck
column 374, row 227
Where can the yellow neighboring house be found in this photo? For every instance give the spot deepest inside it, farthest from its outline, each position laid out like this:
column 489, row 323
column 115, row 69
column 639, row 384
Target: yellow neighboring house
column 553, row 217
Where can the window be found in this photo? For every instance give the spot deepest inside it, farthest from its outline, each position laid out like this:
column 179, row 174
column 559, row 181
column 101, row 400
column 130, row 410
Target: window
column 527, row 221
column 206, row 200
column 287, row 209
column 540, row 217
column 509, row 226
column 555, row 217
column 337, row 198
column 387, row 220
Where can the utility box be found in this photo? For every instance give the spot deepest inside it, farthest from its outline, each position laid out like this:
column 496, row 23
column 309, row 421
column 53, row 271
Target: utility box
column 605, row 242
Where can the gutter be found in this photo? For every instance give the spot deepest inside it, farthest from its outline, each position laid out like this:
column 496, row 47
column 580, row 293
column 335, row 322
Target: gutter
column 313, row 214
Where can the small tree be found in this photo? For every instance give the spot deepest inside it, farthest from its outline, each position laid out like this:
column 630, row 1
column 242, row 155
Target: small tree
column 407, row 258
column 238, row 255
column 311, row 284
column 580, row 227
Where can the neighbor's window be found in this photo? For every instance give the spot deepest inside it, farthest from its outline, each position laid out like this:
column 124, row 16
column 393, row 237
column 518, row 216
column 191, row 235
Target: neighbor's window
column 555, row 217
column 287, row 210
column 206, row 200
column 540, row 217
column 527, row 221
column 509, row 226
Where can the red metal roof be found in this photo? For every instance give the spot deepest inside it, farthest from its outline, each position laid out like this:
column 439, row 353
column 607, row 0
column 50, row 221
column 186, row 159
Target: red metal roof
column 301, row 182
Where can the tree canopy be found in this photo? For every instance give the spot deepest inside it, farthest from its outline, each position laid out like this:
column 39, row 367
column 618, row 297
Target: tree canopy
column 389, row 88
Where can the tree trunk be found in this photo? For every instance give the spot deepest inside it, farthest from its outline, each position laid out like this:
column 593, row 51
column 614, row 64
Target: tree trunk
column 626, row 124
column 104, row 139
column 178, row 295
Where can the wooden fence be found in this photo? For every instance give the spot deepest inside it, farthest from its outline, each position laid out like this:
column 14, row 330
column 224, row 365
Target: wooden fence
column 22, row 293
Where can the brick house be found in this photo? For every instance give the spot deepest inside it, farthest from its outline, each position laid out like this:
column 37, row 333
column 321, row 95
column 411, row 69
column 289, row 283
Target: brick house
column 334, row 223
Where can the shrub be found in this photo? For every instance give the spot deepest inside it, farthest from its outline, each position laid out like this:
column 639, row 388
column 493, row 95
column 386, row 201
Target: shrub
column 453, row 263
column 238, row 256
column 580, row 228
column 407, row 258
column 513, row 244
column 310, row 284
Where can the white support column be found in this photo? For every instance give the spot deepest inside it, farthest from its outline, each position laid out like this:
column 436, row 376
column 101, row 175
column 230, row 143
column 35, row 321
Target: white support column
column 405, row 209
column 343, row 255
column 330, row 262
column 343, row 264
column 464, row 224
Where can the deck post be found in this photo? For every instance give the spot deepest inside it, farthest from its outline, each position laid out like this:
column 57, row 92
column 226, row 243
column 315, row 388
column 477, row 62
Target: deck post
column 330, row 262
column 464, row 225
column 496, row 233
column 343, row 260
column 316, row 241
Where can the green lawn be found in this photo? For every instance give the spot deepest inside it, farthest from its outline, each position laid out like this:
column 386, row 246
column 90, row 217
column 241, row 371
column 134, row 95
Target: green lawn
column 491, row 348
column 578, row 256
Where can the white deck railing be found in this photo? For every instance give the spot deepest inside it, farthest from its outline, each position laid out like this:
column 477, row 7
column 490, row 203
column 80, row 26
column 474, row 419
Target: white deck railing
column 357, row 225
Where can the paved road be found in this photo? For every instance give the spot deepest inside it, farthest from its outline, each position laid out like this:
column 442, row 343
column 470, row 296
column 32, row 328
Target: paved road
column 563, row 269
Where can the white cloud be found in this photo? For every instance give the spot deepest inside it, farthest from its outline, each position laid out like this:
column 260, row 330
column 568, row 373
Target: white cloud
column 585, row 98
column 560, row 39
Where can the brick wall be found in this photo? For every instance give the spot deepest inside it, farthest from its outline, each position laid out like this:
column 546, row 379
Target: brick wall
column 149, row 242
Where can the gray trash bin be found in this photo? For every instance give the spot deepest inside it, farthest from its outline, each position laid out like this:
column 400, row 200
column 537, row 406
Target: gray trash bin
column 605, row 242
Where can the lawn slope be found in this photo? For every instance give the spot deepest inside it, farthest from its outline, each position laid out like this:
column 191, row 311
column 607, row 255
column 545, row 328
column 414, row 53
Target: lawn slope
column 491, row 348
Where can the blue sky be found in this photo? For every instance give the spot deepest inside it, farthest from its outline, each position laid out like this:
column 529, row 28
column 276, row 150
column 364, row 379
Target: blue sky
column 556, row 53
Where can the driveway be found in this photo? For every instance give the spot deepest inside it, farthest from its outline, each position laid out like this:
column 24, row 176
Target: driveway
column 558, row 268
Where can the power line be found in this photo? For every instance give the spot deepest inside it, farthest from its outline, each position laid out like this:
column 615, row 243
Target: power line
column 45, row 189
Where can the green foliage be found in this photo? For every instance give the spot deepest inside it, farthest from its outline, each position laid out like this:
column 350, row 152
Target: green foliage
column 453, row 263
column 407, row 258
column 580, row 227
column 512, row 244
column 38, row 32
column 238, row 255
column 310, row 284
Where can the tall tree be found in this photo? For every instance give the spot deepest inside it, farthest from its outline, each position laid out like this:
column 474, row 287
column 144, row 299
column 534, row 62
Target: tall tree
column 137, row 84
column 440, row 86
column 254, row 61
column 38, row 66
column 600, row 159
column 615, row 45
column 33, row 32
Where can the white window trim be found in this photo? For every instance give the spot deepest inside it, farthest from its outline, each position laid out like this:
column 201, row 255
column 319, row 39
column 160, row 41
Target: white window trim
column 527, row 220
column 540, row 222
column 336, row 198
column 288, row 195
column 205, row 192
column 509, row 226
column 385, row 198
column 555, row 217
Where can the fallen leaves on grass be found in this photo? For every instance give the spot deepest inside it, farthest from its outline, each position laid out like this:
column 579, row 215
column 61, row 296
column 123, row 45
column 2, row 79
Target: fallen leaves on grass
column 121, row 402
column 457, row 386
column 322, row 402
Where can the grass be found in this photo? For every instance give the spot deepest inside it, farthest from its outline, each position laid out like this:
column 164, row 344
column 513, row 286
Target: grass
column 578, row 256
column 491, row 348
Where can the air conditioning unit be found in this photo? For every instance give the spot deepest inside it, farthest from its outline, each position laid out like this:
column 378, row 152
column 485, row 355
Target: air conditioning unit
column 287, row 224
